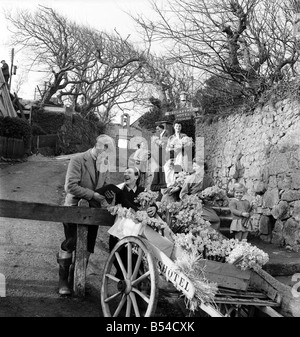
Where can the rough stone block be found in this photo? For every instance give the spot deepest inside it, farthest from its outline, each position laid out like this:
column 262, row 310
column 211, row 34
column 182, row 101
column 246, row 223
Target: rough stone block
column 272, row 182
column 278, row 163
column 284, row 182
column 296, row 210
column 266, row 211
column 290, row 195
column 271, row 198
column 260, row 187
column 265, row 225
column 277, row 239
column 278, row 227
column 281, row 211
column 295, row 180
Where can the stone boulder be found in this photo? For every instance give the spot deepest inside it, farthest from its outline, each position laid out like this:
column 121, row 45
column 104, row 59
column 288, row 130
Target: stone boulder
column 265, row 225
column 281, row 211
column 260, row 187
column 271, row 198
column 290, row 196
column 296, row 210
column 284, row 182
column 277, row 236
column 296, row 180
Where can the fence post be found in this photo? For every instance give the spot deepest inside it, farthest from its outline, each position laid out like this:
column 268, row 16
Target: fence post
column 80, row 256
column 2, row 146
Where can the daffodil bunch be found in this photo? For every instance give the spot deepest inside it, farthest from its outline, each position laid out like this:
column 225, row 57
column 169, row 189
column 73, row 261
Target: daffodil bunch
column 180, row 178
column 187, row 214
column 214, row 195
column 146, row 198
column 121, row 211
column 247, row 256
column 155, row 223
column 187, row 141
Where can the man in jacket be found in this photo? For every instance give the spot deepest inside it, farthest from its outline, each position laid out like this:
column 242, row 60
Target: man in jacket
column 82, row 179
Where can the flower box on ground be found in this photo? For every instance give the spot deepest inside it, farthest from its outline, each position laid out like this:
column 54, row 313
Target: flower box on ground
column 226, row 275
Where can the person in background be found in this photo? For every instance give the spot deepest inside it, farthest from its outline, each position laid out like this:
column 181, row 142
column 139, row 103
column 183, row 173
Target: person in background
column 240, row 209
column 141, row 157
column 5, row 70
column 125, row 195
column 196, row 183
column 159, row 147
column 84, row 176
column 177, row 153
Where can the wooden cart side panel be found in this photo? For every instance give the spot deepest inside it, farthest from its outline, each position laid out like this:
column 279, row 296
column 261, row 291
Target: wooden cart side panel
column 226, row 275
column 289, row 304
column 168, row 268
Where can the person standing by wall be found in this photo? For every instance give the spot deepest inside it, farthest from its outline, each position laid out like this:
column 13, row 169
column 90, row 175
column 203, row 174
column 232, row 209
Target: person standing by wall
column 160, row 142
column 178, row 154
column 240, row 209
column 82, row 179
column 140, row 159
column 5, row 71
column 196, row 183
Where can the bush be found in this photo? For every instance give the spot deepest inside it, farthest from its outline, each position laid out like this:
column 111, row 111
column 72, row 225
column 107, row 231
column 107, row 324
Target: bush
column 37, row 130
column 50, row 122
column 15, row 127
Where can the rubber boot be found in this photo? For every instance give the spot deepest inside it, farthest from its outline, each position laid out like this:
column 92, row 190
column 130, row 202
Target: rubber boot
column 64, row 260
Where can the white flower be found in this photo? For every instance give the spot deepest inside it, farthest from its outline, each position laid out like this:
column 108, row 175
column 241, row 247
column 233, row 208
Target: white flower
column 247, row 256
column 146, row 198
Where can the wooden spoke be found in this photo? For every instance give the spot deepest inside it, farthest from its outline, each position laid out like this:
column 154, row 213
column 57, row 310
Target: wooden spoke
column 112, row 297
column 112, row 277
column 141, row 278
column 129, row 260
column 142, row 295
column 138, row 264
column 128, row 306
column 120, row 306
column 135, row 305
column 121, row 264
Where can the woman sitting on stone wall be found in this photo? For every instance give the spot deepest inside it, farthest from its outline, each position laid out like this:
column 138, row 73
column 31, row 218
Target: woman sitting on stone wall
column 196, row 183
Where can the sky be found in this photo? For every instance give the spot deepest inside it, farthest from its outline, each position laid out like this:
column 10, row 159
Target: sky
column 100, row 14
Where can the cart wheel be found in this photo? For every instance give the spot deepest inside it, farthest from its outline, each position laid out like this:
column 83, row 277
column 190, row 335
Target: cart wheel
column 138, row 287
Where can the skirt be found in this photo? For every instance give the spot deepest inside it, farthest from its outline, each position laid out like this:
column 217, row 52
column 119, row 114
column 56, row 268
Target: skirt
column 241, row 225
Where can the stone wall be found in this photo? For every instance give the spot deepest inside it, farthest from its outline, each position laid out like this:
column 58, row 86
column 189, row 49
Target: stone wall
column 262, row 150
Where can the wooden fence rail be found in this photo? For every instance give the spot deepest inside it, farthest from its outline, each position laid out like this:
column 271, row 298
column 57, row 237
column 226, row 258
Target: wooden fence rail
column 82, row 216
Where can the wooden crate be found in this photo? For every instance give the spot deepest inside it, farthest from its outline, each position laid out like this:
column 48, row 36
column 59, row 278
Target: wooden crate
column 226, row 275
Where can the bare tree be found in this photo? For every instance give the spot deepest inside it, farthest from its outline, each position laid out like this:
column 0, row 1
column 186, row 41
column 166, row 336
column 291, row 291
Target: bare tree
column 168, row 79
column 246, row 42
column 93, row 69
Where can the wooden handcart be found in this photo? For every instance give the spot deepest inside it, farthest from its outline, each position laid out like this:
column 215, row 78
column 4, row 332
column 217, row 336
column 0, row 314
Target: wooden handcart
column 240, row 293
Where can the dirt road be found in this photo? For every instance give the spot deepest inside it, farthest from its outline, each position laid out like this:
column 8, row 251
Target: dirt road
column 28, row 248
